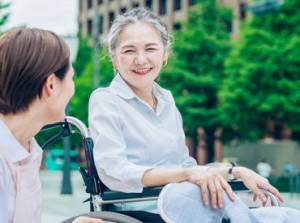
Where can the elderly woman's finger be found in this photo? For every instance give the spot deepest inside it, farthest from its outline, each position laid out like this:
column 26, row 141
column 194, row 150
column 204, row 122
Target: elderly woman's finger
column 261, row 196
column 254, row 197
column 219, row 189
column 276, row 193
column 213, row 193
column 204, row 192
column 227, row 188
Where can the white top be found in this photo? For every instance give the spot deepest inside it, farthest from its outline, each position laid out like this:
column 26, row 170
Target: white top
column 18, row 155
column 131, row 138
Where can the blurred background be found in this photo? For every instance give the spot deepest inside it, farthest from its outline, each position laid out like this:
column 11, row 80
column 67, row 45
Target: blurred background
column 234, row 71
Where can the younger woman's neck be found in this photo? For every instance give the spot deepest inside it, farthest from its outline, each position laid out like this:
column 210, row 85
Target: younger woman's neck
column 23, row 127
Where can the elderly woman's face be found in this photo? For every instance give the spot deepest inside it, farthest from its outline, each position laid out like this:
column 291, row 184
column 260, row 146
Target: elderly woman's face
column 139, row 55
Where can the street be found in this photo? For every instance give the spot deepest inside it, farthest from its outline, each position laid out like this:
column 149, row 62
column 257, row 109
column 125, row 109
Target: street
column 57, row 207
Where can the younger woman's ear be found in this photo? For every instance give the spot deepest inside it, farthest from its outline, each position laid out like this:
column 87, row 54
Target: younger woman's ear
column 49, row 85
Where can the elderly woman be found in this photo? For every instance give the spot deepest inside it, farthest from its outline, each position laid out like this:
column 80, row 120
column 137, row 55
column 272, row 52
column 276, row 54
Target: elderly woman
column 139, row 140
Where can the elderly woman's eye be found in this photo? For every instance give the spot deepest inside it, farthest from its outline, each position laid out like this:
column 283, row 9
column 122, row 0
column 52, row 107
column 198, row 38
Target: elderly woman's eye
column 151, row 49
column 128, row 51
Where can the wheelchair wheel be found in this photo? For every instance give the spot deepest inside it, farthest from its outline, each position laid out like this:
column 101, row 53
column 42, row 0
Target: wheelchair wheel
column 106, row 216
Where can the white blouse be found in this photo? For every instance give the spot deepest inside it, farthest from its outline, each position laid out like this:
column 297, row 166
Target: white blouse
column 131, row 138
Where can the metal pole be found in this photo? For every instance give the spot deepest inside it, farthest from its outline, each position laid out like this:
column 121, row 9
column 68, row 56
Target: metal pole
column 66, row 187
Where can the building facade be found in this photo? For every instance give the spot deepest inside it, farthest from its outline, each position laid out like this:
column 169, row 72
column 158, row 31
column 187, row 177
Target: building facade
column 95, row 16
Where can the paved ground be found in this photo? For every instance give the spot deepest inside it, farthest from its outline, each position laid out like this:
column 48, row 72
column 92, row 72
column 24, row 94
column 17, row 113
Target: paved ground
column 57, row 207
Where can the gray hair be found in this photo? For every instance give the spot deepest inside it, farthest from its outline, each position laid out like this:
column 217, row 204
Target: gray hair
column 131, row 17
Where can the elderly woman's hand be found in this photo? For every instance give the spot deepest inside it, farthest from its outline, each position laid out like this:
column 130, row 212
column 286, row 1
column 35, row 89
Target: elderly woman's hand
column 255, row 182
column 83, row 219
column 212, row 183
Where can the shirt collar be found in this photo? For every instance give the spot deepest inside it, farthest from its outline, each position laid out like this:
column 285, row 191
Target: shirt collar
column 13, row 148
column 120, row 87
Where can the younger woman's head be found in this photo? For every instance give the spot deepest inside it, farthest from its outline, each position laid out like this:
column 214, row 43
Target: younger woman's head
column 27, row 57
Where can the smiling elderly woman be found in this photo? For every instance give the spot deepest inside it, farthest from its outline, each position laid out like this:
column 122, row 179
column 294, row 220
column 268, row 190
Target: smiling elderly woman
column 139, row 139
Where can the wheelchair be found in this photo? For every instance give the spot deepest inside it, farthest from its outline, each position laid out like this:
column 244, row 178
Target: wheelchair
column 100, row 197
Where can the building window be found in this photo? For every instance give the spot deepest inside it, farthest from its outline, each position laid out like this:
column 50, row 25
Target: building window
column 111, row 17
column 89, row 27
column 80, row 5
column 135, row 5
column 100, row 2
column 229, row 26
column 192, row 2
column 177, row 26
column 148, row 4
column 100, row 24
column 90, row 4
column 123, row 10
column 177, row 5
column 163, row 7
column 243, row 11
column 80, row 26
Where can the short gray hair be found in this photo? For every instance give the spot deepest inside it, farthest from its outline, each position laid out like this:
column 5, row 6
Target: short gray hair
column 131, row 17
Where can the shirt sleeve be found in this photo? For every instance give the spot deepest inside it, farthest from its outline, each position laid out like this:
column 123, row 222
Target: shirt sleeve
column 113, row 167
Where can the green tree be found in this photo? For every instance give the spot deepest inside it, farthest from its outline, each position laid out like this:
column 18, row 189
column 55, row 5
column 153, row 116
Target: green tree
column 262, row 74
column 84, row 85
column 4, row 15
column 195, row 71
column 84, row 55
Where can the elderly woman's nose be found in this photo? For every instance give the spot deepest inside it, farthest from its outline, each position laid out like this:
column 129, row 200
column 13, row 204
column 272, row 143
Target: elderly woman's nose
column 141, row 58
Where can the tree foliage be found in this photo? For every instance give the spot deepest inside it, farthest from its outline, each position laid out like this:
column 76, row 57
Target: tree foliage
column 262, row 74
column 195, row 71
column 84, row 55
column 4, row 15
column 84, row 85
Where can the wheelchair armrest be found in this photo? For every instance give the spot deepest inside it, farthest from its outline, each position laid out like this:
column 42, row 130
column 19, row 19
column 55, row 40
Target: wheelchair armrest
column 154, row 192
column 115, row 195
column 151, row 193
column 238, row 185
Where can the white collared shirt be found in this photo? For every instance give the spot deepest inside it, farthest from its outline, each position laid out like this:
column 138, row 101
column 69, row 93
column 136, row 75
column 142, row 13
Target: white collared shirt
column 17, row 154
column 131, row 138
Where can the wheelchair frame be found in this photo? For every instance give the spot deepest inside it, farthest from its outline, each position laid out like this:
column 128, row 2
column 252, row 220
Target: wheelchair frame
column 100, row 195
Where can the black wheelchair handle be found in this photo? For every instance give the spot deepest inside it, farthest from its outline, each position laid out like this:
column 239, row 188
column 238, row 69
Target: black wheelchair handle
column 54, row 125
column 66, row 131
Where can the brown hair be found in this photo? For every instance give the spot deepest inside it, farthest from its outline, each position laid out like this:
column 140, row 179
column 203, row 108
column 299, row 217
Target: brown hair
column 27, row 57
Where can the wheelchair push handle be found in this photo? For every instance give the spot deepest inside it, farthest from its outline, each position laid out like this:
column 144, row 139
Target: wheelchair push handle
column 66, row 129
column 79, row 124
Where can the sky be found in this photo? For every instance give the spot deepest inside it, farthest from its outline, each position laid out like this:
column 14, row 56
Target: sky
column 59, row 16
